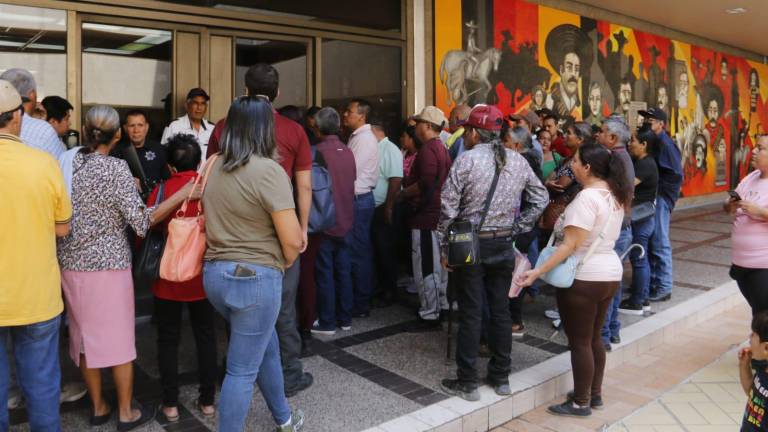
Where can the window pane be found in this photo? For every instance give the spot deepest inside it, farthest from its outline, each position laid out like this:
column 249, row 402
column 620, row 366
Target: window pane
column 290, row 60
column 35, row 39
column 357, row 70
column 128, row 68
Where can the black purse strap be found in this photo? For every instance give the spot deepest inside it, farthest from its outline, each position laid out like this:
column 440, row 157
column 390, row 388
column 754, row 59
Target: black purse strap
column 489, row 197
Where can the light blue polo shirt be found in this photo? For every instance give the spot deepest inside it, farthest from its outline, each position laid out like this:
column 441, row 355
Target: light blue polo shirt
column 390, row 165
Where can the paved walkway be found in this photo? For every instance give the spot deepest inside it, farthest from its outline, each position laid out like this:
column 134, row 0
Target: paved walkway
column 377, row 372
column 645, row 394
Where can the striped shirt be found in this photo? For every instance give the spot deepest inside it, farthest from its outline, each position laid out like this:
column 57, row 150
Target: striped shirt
column 40, row 135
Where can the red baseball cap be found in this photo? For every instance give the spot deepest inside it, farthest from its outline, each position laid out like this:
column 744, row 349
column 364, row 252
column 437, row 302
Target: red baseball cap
column 485, row 117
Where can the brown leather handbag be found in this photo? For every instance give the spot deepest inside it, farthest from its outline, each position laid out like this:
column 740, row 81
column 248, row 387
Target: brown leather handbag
column 556, row 207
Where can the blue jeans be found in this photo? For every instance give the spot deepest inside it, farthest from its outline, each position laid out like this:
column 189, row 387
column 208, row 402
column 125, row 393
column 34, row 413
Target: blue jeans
column 361, row 252
column 660, row 250
column 36, row 352
column 641, row 270
column 334, row 282
column 250, row 304
column 612, row 325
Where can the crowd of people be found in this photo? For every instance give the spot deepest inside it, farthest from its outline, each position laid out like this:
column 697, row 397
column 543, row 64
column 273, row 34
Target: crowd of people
column 307, row 217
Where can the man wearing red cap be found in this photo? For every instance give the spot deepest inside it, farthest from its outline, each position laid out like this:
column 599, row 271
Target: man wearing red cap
column 468, row 187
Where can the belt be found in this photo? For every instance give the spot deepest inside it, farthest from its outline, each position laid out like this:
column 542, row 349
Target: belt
column 495, row 234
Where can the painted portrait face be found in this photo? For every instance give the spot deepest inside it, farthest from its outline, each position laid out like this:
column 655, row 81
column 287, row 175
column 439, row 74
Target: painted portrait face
column 724, row 69
column 538, row 97
column 595, row 100
column 570, row 72
column 662, row 100
column 713, row 112
column 625, row 96
column 682, row 90
column 699, row 156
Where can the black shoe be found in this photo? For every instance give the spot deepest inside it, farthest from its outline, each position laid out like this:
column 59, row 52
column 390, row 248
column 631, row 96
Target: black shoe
column 595, row 402
column 608, row 347
column 147, row 415
column 102, row 419
column 570, row 409
column 661, row 297
column 626, row 307
column 501, row 389
column 455, row 388
column 616, row 339
column 422, row 326
column 304, row 383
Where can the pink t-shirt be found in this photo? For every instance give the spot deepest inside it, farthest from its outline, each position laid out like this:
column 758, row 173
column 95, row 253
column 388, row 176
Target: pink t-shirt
column 749, row 236
column 591, row 210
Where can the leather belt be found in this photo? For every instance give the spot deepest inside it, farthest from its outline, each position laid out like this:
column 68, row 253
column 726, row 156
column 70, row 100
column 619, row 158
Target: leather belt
column 495, row 234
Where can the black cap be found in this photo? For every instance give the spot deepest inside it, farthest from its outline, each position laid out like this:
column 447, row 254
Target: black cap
column 654, row 113
column 195, row 92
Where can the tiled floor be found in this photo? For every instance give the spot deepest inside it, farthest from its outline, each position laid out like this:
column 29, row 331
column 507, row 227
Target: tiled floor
column 674, row 387
column 377, row 372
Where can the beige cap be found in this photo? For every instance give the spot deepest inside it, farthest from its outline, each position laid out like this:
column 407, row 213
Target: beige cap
column 432, row 114
column 529, row 116
column 9, row 97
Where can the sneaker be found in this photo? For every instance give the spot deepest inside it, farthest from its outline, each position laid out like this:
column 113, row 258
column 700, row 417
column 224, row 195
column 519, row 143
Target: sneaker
column 518, row 330
column 294, row 424
column 72, row 391
column 455, row 388
column 303, row 383
column 15, row 398
column 552, row 314
column 502, row 389
column 646, row 306
column 346, row 327
column 570, row 409
column 661, row 297
column 616, row 339
column 556, row 324
column 626, row 307
column 595, row 402
column 423, row 325
column 323, row 330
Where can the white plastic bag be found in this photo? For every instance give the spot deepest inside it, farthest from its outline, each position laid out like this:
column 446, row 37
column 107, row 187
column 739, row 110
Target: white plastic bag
column 522, row 265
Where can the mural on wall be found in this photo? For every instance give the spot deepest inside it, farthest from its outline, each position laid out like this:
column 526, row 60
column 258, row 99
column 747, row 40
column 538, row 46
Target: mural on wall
column 517, row 55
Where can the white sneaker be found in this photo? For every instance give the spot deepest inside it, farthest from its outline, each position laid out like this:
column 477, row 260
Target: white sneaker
column 15, row 398
column 72, row 391
column 552, row 314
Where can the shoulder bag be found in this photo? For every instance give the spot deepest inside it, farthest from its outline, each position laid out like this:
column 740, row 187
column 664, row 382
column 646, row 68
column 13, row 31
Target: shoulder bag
column 643, row 211
column 464, row 236
column 146, row 263
column 185, row 246
column 563, row 274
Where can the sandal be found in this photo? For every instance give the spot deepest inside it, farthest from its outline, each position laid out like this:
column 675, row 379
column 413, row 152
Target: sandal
column 208, row 411
column 169, row 419
column 101, row 419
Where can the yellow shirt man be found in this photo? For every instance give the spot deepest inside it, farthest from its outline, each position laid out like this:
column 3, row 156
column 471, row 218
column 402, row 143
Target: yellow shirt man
column 33, row 199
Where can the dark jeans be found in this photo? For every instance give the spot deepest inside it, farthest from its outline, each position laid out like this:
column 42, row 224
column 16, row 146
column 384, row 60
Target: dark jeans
column 168, row 318
column 361, row 252
column 288, row 330
column 384, row 240
column 36, row 355
column 334, row 283
column 641, row 269
column 582, row 308
column 612, row 324
column 492, row 278
column 752, row 283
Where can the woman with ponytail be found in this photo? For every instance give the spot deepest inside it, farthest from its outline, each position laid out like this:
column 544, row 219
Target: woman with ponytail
column 470, row 194
column 595, row 215
column 95, row 261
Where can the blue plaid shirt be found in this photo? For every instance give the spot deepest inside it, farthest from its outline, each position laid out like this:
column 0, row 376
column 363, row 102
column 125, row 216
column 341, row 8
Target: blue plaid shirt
column 40, row 135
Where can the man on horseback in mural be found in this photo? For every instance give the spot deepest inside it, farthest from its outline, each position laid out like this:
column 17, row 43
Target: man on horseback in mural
column 460, row 68
column 569, row 51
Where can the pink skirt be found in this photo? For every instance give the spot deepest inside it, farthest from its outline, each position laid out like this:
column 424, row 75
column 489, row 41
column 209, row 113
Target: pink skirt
column 100, row 311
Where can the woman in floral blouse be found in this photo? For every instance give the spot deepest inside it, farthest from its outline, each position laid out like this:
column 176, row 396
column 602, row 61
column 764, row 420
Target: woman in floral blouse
column 95, row 261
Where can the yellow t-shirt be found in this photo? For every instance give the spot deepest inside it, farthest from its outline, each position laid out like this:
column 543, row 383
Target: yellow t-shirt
column 33, row 199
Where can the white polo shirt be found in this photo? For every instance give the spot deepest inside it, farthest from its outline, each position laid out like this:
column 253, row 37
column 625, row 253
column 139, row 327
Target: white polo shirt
column 184, row 125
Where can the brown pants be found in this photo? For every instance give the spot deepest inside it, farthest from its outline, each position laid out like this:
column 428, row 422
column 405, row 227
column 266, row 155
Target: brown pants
column 582, row 309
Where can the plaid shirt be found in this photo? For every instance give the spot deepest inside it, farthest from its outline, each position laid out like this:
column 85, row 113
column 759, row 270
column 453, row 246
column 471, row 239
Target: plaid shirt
column 469, row 180
column 40, row 135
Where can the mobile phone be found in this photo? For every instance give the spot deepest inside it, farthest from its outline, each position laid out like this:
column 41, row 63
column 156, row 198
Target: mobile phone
column 734, row 195
column 242, row 271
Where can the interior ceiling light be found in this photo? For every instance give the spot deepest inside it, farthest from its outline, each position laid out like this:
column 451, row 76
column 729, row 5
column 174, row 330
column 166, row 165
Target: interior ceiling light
column 736, row 11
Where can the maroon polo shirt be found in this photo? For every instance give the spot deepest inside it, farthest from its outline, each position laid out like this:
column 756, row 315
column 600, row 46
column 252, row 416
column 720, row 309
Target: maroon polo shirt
column 429, row 170
column 341, row 166
column 292, row 144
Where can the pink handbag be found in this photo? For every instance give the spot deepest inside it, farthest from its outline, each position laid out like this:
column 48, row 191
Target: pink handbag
column 185, row 246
